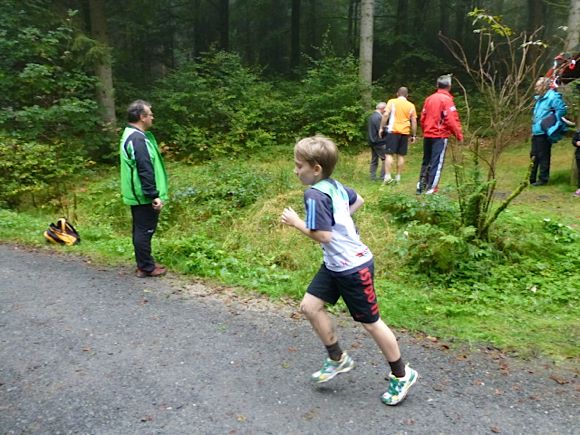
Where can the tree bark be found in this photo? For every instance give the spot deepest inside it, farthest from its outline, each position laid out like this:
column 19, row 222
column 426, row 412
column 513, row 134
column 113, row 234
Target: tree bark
column 224, row 23
column 295, row 34
column 536, row 16
column 103, row 69
column 366, row 50
column 571, row 44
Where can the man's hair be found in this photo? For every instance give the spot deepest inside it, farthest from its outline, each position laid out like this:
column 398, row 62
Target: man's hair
column 444, row 81
column 136, row 109
column 317, row 150
column 381, row 105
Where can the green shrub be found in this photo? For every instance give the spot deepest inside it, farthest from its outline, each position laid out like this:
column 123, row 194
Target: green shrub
column 31, row 169
column 214, row 107
column 425, row 209
column 48, row 92
column 329, row 101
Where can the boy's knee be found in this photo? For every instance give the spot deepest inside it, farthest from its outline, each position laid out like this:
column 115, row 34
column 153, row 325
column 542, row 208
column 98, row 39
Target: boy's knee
column 370, row 327
column 309, row 309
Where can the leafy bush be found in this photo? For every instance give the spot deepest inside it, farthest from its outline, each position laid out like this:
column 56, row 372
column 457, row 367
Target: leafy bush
column 213, row 195
column 35, row 169
column 425, row 209
column 215, row 107
column 47, row 93
column 329, row 100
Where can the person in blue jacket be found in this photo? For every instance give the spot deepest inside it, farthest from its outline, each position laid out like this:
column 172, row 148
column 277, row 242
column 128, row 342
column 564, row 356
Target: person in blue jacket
column 547, row 128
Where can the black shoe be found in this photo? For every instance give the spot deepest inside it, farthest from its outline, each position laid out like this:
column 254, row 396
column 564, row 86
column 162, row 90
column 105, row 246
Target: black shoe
column 539, row 183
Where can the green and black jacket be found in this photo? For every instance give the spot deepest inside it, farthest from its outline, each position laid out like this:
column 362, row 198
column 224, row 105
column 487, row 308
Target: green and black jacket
column 143, row 174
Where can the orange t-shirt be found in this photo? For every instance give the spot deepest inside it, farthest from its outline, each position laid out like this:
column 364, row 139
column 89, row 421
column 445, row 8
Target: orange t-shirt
column 401, row 111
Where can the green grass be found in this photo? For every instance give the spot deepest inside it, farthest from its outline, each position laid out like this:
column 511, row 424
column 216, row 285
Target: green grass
column 222, row 225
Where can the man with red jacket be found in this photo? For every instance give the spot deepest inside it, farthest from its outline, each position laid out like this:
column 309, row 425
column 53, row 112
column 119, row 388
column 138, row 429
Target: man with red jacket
column 439, row 120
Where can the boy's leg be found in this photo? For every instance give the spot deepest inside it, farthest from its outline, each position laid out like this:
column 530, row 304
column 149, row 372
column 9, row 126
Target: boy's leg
column 313, row 308
column 386, row 341
column 322, row 290
column 358, row 292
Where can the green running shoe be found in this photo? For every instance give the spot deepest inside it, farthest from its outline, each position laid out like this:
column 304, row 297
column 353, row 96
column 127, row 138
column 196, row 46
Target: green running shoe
column 332, row 368
column 399, row 387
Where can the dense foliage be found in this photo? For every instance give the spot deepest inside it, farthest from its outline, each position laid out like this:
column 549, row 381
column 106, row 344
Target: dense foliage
column 47, row 93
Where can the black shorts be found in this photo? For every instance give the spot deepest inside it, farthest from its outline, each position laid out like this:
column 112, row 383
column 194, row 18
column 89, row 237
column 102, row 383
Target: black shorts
column 397, row 144
column 357, row 290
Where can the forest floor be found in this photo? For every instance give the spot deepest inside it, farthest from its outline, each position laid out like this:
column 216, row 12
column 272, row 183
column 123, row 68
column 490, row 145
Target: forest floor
column 87, row 349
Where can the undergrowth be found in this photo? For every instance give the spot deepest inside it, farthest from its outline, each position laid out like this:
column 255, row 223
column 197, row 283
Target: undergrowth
column 517, row 291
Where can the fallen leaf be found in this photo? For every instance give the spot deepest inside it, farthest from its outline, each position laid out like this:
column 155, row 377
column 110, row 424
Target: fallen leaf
column 432, row 339
column 408, row 421
column 559, row 379
column 241, row 418
column 147, row 418
column 309, row 415
column 292, row 349
column 495, row 429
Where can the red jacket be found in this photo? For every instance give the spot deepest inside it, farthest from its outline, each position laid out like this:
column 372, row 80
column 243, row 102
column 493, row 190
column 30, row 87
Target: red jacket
column 439, row 117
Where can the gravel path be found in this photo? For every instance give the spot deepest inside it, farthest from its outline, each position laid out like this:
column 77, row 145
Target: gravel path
column 87, row 350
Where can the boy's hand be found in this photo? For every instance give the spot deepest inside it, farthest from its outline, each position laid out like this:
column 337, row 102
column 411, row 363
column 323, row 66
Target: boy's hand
column 290, row 217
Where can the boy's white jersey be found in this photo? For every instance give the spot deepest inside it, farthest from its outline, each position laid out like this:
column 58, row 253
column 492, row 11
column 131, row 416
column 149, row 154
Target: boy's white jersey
column 345, row 251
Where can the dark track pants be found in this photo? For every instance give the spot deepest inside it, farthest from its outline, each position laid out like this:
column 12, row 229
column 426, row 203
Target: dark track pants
column 542, row 154
column 144, row 225
column 432, row 164
column 377, row 156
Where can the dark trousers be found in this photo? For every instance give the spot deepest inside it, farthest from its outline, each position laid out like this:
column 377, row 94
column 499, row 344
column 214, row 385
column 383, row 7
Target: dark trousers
column 377, row 155
column 144, row 225
column 541, row 153
column 432, row 164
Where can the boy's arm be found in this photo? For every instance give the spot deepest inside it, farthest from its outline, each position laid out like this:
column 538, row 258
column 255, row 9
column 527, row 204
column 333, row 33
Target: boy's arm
column 357, row 204
column 290, row 217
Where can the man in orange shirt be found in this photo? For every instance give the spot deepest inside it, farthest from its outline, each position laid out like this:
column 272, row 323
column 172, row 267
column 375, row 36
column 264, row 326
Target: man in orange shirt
column 400, row 119
column 439, row 120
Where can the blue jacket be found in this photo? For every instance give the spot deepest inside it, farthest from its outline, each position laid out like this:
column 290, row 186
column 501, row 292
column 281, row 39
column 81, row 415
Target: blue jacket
column 549, row 108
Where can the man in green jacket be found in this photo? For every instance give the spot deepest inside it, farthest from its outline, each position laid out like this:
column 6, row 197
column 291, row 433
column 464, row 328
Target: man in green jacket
column 143, row 183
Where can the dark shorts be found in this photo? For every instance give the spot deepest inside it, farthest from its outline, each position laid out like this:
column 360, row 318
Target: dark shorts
column 397, row 144
column 357, row 290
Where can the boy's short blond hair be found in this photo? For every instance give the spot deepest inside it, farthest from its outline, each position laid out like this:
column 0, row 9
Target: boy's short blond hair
column 317, row 150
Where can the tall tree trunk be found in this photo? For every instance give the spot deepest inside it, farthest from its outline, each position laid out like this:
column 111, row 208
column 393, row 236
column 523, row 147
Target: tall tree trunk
column 295, row 34
column 460, row 17
column 444, row 17
column 402, row 23
column 366, row 50
column 103, row 70
column 572, row 45
column 536, row 15
column 352, row 20
column 312, row 32
column 224, row 29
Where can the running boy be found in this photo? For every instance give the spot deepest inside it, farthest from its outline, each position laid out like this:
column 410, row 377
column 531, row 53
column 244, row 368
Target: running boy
column 348, row 267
